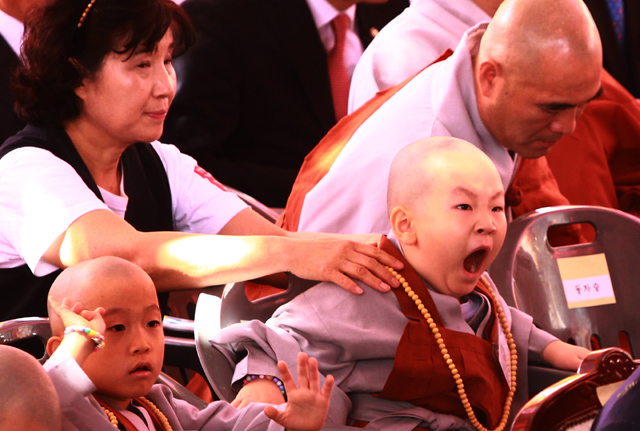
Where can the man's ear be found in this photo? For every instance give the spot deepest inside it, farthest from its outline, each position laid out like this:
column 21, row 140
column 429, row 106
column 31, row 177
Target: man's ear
column 402, row 225
column 52, row 344
column 489, row 73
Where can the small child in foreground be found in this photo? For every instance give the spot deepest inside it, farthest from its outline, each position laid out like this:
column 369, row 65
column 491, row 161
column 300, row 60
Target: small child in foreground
column 444, row 352
column 107, row 351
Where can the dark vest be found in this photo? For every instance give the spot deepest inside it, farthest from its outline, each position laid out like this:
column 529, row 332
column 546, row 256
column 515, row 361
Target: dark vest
column 420, row 375
column 149, row 209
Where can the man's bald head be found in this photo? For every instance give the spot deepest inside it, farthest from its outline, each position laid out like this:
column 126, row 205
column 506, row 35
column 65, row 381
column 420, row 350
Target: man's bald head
column 28, row 399
column 87, row 282
column 525, row 34
column 538, row 65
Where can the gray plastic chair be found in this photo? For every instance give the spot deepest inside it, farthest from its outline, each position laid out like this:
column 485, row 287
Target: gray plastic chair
column 214, row 313
column 528, row 276
column 36, row 328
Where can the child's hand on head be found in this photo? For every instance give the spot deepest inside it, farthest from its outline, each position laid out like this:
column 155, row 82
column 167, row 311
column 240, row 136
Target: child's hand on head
column 74, row 314
column 307, row 404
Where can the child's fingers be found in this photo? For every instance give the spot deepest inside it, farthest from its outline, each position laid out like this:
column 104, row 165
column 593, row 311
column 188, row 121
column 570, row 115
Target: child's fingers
column 286, row 377
column 303, row 370
column 76, row 307
column 314, row 375
column 328, row 386
column 272, row 413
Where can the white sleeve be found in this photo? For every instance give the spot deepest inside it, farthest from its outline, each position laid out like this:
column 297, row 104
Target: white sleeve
column 41, row 197
column 66, row 368
column 200, row 202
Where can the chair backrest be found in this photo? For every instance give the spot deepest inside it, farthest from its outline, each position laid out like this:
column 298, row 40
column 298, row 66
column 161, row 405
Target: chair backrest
column 236, row 307
column 214, row 313
column 265, row 211
column 573, row 403
column 36, row 329
column 528, row 274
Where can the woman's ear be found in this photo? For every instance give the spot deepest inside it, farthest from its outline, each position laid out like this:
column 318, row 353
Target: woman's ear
column 79, row 90
column 52, row 344
column 402, row 225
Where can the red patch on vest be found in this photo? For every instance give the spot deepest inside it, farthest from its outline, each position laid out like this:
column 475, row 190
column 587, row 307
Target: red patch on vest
column 207, row 176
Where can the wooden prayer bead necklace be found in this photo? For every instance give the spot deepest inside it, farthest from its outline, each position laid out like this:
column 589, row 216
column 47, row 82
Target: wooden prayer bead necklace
column 447, row 358
column 164, row 422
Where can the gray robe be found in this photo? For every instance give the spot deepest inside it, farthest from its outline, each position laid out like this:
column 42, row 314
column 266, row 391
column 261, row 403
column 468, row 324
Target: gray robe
column 354, row 338
column 81, row 412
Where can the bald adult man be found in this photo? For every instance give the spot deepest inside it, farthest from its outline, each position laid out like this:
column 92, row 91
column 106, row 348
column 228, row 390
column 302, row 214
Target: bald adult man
column 595, row 165
column 514, row 86
column 28, row 399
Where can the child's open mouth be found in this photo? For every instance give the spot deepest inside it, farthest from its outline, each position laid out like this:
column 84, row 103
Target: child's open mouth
column 141, row 368
column 473, row 262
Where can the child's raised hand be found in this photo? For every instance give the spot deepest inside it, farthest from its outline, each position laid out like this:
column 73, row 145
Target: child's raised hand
column 74, row 314
column 307, row 404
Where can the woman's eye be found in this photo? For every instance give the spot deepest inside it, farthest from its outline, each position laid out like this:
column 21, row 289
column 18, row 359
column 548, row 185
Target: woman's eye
column 144, row 65
column 117, row 328
column 497, row 209
column 153, row 323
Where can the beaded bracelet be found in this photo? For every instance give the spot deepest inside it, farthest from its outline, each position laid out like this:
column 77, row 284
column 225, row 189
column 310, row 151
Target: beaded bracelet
column 96, row 337
column 277, row 381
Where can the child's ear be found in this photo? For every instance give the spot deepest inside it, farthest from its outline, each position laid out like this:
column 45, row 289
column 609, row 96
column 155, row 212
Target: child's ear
column 402, row 225
column 52, row 344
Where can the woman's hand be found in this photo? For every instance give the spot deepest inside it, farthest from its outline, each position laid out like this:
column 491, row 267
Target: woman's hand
column 341, row 261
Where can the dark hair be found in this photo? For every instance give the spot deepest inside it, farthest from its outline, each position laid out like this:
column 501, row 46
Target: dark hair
column 57, row 54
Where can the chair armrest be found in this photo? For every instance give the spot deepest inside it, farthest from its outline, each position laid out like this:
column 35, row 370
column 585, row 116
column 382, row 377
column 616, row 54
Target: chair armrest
column 541, row 377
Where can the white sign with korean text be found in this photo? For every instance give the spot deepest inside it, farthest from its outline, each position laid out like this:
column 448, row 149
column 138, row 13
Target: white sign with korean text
column 586, row 280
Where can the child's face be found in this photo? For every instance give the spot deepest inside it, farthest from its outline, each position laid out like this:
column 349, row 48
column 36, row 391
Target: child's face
column 131, row 360
column 460, row 226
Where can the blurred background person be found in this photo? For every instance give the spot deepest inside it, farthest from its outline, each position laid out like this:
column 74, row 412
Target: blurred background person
column 265, row 82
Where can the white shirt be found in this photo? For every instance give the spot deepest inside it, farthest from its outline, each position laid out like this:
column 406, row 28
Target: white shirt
column 410, row 42
column 41, row 196
column 440, row 101
column 323, row 13
column 11, row 30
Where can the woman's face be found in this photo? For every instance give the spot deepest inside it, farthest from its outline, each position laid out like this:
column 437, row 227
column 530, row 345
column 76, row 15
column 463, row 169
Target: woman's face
column 128, row 99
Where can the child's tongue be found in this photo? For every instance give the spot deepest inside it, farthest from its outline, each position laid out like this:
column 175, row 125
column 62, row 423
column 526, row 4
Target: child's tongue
column 473, row 262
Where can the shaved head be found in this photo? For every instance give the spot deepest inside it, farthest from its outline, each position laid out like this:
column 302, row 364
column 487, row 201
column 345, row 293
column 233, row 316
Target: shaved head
column 446, row 208
column 417, row 166
column 28, row 399
column 538, row 65
column 86, row 282
column 525, row 34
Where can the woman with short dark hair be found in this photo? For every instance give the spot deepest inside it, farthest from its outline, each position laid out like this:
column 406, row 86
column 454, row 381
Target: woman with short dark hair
column 87, row 177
